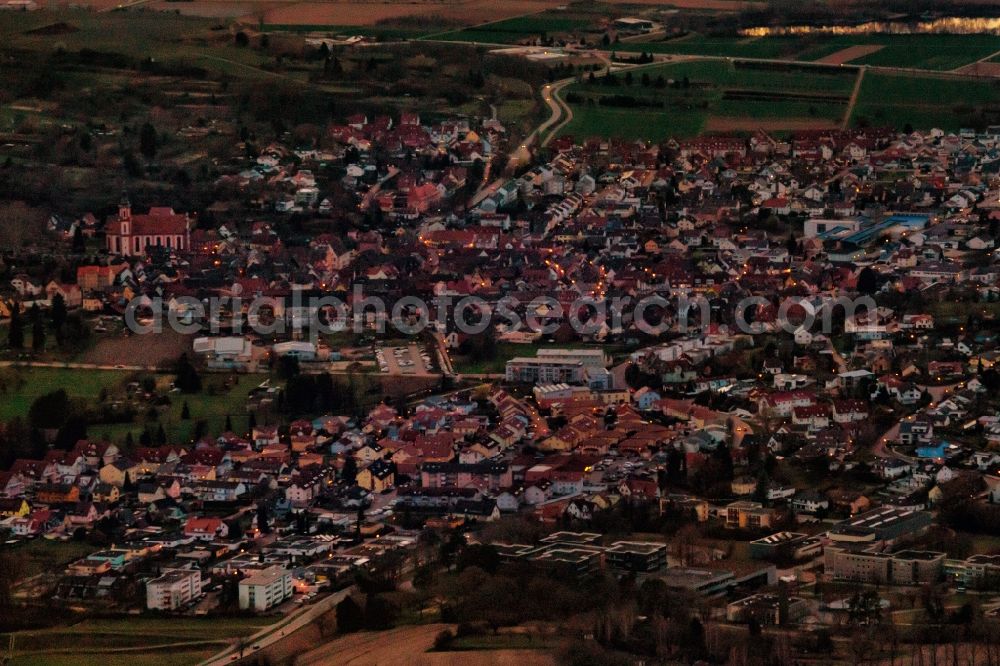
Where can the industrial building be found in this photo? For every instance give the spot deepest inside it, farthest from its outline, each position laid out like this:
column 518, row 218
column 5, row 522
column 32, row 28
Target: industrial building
column 885, row 524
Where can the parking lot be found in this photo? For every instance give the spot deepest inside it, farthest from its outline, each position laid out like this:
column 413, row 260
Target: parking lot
column 409, row 360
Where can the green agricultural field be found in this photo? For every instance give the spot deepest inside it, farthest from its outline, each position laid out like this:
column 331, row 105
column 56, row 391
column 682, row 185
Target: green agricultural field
column 797, row 78
column 678, row 99
column 161, row 36
column 511, row 31
column 388, row 32
column 927, row 101
column 19, row 387
column 736, row 46
column 633, row 124
column 156, row 629
column 131, row 642
column 166, row 657
column 935, row 52
column 932, row 51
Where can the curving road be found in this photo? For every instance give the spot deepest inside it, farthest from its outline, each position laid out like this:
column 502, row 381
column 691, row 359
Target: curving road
column 276, row 632
column 562, row 113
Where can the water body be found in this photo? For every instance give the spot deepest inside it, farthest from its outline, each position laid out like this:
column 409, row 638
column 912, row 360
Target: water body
column 953, row 25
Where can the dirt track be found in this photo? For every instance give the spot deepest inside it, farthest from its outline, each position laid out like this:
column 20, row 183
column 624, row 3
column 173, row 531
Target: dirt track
column 982, row 68
column 850, row 53
column 407, row 646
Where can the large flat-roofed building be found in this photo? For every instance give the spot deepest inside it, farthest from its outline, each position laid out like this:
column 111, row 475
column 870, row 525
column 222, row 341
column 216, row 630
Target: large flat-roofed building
column 907, row 567
column 582, row 553
column 590, row 358
column 544, row 371
column 173, row 589
column 703, row 582
column 721, row 578
column 884, row 524
column 636, row 556
column 767, row 609
column 634, row 25
column 979, row 572
column 554, row 366
column 224, row 352
column 573, row 537
column 265, row 589
column 831, row 227
column 786, row 544
column 579, row 560
column 578, row 553
column 748, row 515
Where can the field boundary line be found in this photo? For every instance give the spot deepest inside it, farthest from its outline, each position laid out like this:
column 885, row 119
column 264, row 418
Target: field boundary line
column 854, row 98
column 433, row 35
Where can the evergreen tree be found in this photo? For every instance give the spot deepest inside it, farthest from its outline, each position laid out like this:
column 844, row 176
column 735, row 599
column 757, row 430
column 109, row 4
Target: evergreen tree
column 187, row 379
column 71, row 432
column 380, row 613
column 147, row 141
column 79, row 244
column 262, row 518
column 49, row 411
column 58, row 313
column 867, row 281
column 37, row 331
column 349, row 472
column 15, row 336
column 350, row 617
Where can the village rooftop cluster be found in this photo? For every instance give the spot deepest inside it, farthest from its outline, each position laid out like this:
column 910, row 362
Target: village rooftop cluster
column 829, row 454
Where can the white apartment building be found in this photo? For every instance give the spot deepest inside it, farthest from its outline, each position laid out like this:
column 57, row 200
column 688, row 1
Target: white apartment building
column 265, row 589
column 173, row 589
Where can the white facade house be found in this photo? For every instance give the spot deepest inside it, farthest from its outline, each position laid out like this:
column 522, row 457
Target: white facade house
column 265, row 589
column 173, row 589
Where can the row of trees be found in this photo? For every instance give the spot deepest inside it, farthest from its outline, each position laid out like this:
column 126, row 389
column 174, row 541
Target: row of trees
column 69, row 329
column 321, row 393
